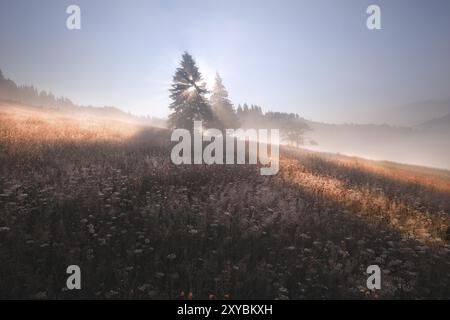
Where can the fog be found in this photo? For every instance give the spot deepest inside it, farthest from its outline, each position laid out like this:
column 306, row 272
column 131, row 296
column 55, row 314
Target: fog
column 419, row 145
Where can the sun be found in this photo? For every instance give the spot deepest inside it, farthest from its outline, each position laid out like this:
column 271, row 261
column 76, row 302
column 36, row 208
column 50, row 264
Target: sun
column 208, row 73
column 209, row 77
column 191, row 90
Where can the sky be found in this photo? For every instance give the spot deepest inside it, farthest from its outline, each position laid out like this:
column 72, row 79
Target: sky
column 316, row 58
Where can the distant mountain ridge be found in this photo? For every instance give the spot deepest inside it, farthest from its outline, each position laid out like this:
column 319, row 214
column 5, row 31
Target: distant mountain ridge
column 442, row 124
column 426, row 144
column 413, row 114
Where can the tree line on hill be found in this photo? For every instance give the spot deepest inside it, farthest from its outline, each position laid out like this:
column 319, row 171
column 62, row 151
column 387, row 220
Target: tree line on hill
column 190, row 103
column 10, row 91
column 31, row 96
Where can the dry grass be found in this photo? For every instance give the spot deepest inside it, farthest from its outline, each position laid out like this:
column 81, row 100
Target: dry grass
column 429, row 177
column 20, row 124
column 105, row 195
column 388, row 201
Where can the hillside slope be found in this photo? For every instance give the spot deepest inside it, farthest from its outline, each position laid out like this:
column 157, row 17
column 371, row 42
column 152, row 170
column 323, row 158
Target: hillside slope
column 108, row 198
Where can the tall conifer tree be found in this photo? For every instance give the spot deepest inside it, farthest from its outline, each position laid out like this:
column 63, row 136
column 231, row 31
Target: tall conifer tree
column 188, row 96
column 222, row 107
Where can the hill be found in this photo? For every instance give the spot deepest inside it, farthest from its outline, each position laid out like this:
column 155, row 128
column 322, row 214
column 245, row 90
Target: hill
column 11, row 93
column 421, row 144
column 441, row 124
column 416, row 113
column 406, row 115
column 103, row 194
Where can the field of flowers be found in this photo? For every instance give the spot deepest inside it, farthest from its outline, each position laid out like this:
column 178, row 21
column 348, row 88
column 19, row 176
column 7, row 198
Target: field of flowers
column 104, row 195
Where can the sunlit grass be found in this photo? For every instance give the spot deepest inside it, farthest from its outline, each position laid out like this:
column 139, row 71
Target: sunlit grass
column 21, row 124
column 370, row 202
column 435, row 178
column 102, row 193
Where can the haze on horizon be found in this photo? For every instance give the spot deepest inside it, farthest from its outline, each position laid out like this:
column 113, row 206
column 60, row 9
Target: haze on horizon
column 314, row 58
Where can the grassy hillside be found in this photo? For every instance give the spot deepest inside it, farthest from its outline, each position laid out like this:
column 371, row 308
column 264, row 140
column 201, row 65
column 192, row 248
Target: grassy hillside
column 103, row 194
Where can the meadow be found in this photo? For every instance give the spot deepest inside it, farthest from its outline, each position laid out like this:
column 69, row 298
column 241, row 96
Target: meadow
column 103, row 194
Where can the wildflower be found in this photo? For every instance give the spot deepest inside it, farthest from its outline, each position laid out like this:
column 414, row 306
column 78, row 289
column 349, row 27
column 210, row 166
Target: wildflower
column 91, row 228
column 90, row 254
column 41, row 295
column 111, row 294
column 172, row 256
column 395, row 262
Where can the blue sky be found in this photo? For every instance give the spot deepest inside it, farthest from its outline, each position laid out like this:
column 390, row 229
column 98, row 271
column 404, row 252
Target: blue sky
column 315, row 58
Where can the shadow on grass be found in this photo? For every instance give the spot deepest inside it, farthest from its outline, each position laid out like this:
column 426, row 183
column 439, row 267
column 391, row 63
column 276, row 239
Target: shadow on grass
column 140, row 227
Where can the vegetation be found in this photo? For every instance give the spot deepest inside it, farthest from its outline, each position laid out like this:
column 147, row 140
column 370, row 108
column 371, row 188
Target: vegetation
column 105, row 196
column 222, row 106
column 188, row 96
column 292, row 127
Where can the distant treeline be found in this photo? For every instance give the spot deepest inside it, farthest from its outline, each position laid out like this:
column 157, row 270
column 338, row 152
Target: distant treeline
column 30, row 95
column 190, row 102
column 9, row 90
column 292, row 126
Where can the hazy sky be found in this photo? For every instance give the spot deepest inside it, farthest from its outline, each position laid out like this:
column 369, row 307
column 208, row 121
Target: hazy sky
column 315, row 58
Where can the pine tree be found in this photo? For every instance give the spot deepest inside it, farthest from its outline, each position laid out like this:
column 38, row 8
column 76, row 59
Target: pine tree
column 222, row 107
column 188, row 96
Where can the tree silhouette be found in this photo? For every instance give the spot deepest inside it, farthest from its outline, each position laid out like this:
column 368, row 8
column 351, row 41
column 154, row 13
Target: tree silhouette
column 222, row 107
column 9, row 90
column 188, row 96
column 292, row 127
